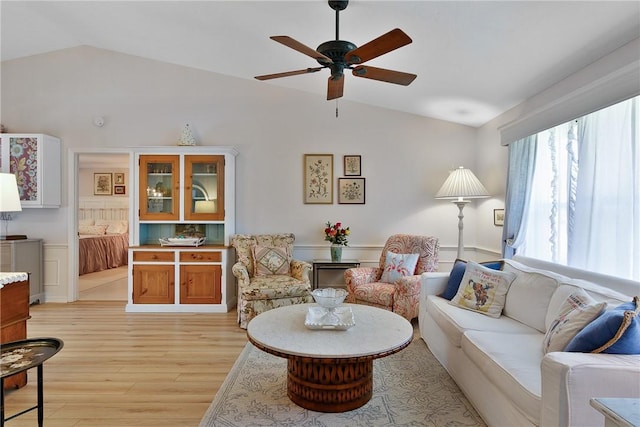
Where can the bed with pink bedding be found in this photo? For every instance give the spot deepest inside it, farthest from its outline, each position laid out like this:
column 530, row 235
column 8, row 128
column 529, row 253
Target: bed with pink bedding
column 99, row 249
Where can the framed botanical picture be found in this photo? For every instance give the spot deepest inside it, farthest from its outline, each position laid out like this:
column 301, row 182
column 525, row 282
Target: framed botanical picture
column 102, row 184
column 318, row 178
column 118, row 179
column 119, row 189
column 351, row 191
column 352, row 165
column 498, row 217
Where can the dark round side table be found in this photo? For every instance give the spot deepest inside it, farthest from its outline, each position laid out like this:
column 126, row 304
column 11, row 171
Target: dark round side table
column 18, row 356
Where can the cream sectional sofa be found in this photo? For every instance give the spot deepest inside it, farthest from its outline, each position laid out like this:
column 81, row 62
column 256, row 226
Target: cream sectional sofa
column 499, row 363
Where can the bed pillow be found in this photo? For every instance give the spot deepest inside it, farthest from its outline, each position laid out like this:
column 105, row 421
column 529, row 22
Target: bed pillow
column 455, row 277
column 616, row 331
column 397, row 266
column 87, row 221
column 92, row 230
column 483, row 289
column 268, row 261
column 114, row 226
column 576, row 309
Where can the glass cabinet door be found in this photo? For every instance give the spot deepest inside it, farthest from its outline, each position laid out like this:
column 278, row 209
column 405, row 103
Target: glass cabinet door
column 159, row 187
column 204, row 187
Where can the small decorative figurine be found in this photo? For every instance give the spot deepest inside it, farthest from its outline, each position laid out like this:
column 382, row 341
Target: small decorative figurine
column 187, row 137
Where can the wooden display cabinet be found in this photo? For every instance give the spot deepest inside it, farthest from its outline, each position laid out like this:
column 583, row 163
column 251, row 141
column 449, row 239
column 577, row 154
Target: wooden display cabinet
column 183, row 191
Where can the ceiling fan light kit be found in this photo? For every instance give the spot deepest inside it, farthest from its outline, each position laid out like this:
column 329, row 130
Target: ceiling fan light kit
column 338, row 55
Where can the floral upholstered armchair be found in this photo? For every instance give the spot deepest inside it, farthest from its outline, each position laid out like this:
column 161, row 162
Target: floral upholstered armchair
column 267, row 276
column 395, row 284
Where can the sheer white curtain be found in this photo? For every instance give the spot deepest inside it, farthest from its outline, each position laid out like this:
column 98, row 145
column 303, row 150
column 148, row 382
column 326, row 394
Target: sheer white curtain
column 584, row 207
column 606, row 234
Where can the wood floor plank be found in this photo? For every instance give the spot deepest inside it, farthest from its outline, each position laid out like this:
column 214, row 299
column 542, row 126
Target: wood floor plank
column 127, row 369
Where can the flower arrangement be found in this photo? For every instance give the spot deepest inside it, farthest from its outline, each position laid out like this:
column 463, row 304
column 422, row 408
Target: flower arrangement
column 336, row 234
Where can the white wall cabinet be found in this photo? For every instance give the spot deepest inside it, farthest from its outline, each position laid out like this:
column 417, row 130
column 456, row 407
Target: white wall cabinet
column 182, row 191
column 35, row 161
column 25, row 256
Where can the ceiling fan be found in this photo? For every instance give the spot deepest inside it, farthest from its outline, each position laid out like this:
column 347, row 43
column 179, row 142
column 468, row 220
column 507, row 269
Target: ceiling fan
column 338, row 55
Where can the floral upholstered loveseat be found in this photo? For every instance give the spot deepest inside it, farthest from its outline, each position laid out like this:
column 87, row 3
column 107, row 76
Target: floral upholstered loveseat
column 267, row 275
column 366, row 285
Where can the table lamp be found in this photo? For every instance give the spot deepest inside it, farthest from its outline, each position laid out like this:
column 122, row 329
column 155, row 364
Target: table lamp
column 461, row 184
column 9, row 201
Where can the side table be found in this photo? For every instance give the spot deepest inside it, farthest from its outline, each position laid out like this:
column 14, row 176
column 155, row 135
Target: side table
column 618, row 412
column 325, row 264
column 19, row 356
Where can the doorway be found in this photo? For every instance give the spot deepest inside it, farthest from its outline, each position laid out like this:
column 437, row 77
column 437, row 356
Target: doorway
column 102, row 217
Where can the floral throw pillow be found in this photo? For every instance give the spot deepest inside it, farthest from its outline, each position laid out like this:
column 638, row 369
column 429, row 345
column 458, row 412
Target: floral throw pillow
column 269, row 261
column 397, row 266
column 483, row 289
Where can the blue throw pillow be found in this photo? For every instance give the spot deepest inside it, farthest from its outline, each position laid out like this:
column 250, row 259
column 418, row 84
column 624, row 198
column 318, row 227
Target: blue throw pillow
column 455, row 277
column 616, row 331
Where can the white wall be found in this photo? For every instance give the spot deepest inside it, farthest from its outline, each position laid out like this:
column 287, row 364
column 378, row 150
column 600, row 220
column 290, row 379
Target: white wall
column 405, row 158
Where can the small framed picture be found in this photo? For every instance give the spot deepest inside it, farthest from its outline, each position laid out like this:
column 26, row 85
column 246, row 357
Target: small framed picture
column 318, row 178
column 118, row 179
column 102, row 184
column 351, row 191
column 119, row 189
column 352, row 165
column 498, row 217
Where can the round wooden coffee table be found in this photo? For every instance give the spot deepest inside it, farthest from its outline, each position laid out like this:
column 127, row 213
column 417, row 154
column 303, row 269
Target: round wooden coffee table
column 330, row 370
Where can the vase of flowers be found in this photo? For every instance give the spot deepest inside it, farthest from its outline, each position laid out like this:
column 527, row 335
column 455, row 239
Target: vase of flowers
column 337, row 235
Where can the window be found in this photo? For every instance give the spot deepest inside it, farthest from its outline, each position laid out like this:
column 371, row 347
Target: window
column 584, row 197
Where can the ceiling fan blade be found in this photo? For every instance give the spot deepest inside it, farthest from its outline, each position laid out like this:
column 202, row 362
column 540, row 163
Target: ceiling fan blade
column 296, row 45
column 385, row 43
column 384, row 75
column 289, row 73
column 335, row 87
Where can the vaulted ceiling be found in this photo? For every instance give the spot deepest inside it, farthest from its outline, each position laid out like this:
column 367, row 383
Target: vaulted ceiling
column 474, row 59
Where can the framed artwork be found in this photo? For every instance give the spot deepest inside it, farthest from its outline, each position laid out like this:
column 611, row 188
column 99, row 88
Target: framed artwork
column 498, row 217
column 119, row 189
column 352, row 165
column 118, row 179
column 318, row 178
column 102, row 184
column 351, row 191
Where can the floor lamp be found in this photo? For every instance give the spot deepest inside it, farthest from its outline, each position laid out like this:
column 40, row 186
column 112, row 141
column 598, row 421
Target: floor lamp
column 461, row 184
column 9, row 201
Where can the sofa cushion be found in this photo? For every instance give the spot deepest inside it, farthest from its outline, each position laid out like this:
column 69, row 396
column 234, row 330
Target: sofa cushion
column 455, row 276
column 512, row 363
column 616, row 331
column 397, row 266
column 270, row 261
column 574, row 309
column 483, row 290
column 530, row 292
column 455, row 321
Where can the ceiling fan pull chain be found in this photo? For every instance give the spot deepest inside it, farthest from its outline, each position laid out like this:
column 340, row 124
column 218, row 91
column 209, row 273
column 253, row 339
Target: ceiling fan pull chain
column 336, row 108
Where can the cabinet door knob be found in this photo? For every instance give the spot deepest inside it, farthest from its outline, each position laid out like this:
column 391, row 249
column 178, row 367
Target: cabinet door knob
column 154, row 256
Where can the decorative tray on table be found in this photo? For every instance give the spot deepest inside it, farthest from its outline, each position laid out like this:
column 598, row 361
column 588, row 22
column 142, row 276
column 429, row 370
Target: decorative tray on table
column 183, row 241
column 340, row 318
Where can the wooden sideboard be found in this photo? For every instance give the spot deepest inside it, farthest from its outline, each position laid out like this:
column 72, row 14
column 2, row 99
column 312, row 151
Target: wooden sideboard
column 14, row 313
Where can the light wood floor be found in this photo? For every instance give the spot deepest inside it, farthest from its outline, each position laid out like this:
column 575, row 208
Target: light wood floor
column 127, row 369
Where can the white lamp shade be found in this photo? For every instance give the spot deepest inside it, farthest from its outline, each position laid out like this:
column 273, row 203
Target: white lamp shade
column 9, row 196
column 462, row 183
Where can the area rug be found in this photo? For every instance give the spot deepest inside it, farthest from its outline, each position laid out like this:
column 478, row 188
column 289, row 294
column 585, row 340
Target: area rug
column 410, row 389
